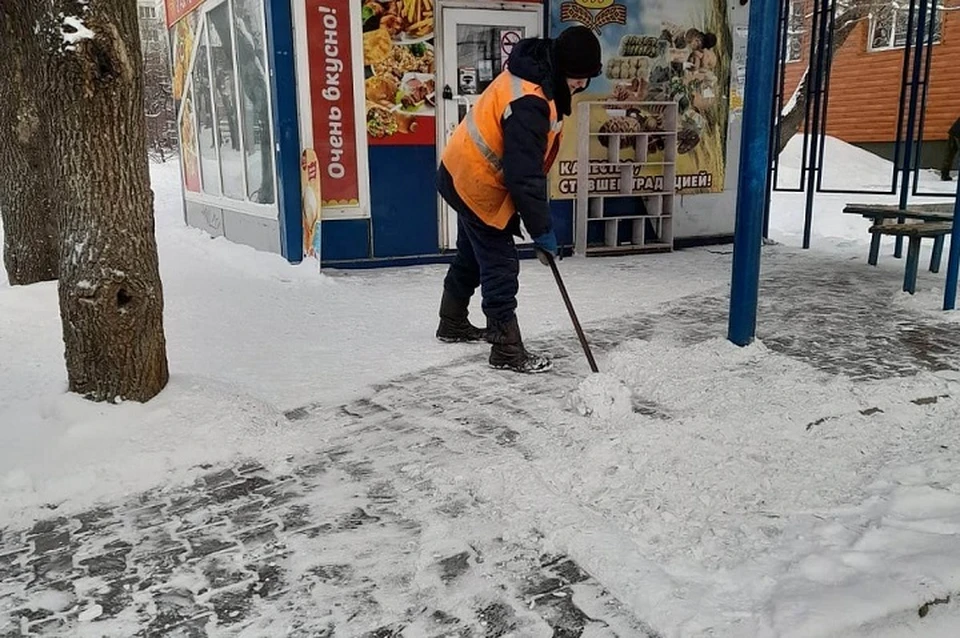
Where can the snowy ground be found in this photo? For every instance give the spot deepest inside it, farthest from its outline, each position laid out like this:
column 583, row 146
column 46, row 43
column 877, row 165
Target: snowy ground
column 320, row 465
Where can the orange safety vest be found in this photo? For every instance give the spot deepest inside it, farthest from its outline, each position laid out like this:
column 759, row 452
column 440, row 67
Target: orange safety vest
column 475, row 151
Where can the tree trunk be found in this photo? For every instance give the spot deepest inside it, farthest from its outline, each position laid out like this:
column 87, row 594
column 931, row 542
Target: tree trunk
column 792, row 118
column 111, row 300
column 30, row 252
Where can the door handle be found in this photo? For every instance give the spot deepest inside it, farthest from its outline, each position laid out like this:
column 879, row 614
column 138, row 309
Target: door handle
column 459, row 99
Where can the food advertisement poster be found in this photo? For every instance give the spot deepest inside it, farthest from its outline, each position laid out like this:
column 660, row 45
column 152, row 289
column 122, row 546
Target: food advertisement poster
column 188, row 147
column 399, row 81
column 183, row 36
column 331, row 96
column 655, row 52
column 176, row 9
column 310, row 202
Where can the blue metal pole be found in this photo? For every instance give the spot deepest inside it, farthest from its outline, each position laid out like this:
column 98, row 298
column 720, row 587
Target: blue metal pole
column 909, row 149
column 953, row 265
column 754, row 168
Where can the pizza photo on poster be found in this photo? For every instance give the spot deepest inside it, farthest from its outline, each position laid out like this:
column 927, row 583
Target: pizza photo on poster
column 680, row 52
column 399, row 72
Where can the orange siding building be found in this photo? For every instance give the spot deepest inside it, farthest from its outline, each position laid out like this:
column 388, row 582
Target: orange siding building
column 865, row 80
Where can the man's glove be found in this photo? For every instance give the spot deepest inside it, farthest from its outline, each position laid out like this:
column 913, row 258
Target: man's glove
column 546, row 244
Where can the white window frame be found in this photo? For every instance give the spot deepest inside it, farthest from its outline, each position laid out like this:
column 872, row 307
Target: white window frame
column 898, row 6
column 266, row 211
column 305, row 106
column 794, row 32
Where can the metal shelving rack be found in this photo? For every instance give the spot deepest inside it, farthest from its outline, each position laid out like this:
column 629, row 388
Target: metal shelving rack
column 649, row 221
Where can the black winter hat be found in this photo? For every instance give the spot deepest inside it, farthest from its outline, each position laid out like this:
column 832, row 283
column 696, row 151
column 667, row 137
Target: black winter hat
column 578, row 54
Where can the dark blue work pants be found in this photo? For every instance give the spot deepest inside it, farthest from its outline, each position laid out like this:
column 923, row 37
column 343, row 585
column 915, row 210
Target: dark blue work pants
column 486, row 257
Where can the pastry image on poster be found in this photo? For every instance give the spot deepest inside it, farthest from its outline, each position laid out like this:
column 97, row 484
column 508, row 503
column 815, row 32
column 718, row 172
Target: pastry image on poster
column 310, row 202
column 672, row 52
column 399, row 68
column 188, row 146
column 184, row 33
column 678, row 66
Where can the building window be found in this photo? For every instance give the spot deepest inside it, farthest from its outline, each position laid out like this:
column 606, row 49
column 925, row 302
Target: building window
column 795, row 32
column 206, row 120
column 889, row 25
column 224, row 88
column 254, row 99
column 148, row 13
column 230, row 111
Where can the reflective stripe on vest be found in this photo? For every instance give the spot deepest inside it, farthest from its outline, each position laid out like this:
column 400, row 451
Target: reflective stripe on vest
column 485, row 150
column 516, row 91
column 516, row 86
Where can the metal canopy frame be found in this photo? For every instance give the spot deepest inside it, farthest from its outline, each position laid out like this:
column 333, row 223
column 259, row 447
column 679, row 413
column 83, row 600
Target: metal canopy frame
column 918, row 51
column 763, row 104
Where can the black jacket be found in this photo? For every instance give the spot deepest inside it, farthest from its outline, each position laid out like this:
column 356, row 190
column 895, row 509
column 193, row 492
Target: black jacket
column 955, row 129
column 525, row 139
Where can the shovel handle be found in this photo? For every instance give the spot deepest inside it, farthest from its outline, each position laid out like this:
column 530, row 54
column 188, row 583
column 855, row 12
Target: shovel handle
column 573, row 315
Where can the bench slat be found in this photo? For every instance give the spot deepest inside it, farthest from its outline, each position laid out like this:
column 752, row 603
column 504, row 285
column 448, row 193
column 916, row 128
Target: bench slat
column 912, row 209
column 932, row 216
column 930, row 229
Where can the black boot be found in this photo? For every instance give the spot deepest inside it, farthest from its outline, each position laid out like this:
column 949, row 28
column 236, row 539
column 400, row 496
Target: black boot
column 508, row 353
column 454, row 326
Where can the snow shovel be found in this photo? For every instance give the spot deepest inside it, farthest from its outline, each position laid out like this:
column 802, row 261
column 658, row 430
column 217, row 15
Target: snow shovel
column 573, row 315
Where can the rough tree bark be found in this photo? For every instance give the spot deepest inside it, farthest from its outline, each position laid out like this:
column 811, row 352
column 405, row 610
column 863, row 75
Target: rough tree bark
column 111, row 300
column 847, row 19
column 30, row 252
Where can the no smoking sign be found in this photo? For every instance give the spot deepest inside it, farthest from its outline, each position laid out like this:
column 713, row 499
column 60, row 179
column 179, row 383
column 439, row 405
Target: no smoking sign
column 508, row 38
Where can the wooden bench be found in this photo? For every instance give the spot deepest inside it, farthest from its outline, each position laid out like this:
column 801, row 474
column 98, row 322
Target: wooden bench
column 914, row 232
column 880, row 214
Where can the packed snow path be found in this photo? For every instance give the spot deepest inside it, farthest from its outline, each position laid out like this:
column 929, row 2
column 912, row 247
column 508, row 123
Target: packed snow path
column 752, row 492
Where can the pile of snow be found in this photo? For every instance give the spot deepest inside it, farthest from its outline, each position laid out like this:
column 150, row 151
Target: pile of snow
column 65, row 452
column 603, row 396
column 845, row 166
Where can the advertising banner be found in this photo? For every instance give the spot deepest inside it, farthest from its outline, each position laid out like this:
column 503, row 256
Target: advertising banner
column 176, row 9
column 677, row 51
column 331, row 95
column 184, row 35
column 310, row 202
column 399, row 67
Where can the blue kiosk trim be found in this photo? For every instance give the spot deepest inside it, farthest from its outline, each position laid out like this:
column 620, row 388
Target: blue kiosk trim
column 403, row 231
column 283, row 88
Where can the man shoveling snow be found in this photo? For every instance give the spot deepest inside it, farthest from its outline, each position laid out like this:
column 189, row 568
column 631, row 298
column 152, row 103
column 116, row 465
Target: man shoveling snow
column 493, row 173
